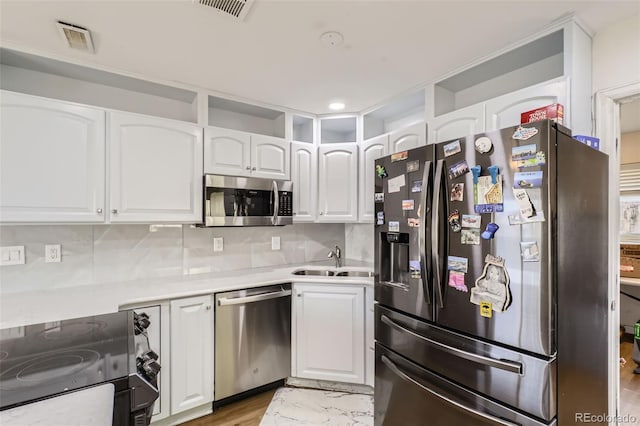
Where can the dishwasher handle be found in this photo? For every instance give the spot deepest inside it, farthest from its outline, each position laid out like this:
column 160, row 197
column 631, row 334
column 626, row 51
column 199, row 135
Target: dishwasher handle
column 226, row 301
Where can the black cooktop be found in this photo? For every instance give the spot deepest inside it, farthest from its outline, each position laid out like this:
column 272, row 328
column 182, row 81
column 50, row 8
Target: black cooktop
column 41, row 360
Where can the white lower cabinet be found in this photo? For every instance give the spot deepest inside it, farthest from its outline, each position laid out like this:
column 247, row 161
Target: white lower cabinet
column 191, row 353
column 328, row 341
column 370, row 337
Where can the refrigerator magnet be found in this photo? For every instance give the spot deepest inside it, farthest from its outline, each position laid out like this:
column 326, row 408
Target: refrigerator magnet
column 490, row 231
column 529, row 251
column 527, row 179
column 487, row 195
column 470, row 237
column 524, row 202
column 524, row 133
column 457, row 192
column 458, row 169
column 483, row 145
column 414, row 268
column 394, row 226
column 539, row 160
column 408, row 204
column 523, row 152
column 378, row 197
column 380, row 218
column 517, row 219
column 454, row 221
column 471, row 220
column 381, row 171
column 413, row 166
column 452, row 148
column 493, row 285
column 413, row 222
column 456, row 280
column 459, row 264
column 399, row 156
column 416, row 186
column 394, row 184
column 486, row 309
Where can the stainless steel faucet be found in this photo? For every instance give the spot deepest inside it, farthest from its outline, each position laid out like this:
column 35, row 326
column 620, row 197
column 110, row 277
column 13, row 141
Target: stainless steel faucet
column 336, row 255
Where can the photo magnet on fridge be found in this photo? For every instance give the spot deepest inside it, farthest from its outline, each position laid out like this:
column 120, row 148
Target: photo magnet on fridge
column 399, row 156
column 408, row 204
column 414, row 268
column 470, row 236
column 487, row 195
column 455, row 263
column 527, row 179
column 413, row 166
column 416, row 186
column 452, row 148
column 524, row 133
column 394, row 226
column 456, row 280
column 457, row 192
column 493, row 285
column 458, row 169
column 413, row 222
column 529, row 251
column 454, row 221
column 523, row 152
column 378, row 197
column 380, row 218
column 539, row 160
column 471, row 220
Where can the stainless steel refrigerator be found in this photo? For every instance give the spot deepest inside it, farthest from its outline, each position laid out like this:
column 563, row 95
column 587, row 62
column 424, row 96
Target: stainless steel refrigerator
column 491, row 280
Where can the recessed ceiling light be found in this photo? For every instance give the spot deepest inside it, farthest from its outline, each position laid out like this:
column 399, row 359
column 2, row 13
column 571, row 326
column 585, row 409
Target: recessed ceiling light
column 336, row 106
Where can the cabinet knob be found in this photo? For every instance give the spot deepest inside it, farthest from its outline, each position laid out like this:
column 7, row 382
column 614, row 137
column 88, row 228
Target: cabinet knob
column 248, row 168
column 321, row 213
column 208, row 307
column 114, row 211
column 253, row 168
column 99, row 211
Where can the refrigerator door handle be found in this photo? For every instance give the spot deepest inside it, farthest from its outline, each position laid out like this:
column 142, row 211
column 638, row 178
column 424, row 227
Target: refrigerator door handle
column 422, row 243
column 478, row 414
column 435, row 229
column 511, row 366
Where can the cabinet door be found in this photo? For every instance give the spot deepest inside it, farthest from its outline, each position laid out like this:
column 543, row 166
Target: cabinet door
column 505, row 111
column 270, row 157
column 329, row 332
column 191, row 353
column 457, row 124
column 369, row 150
column 52, row 161
column 227, row 152
column 155, row 169
column 304, row 174
column 407, row 138
column 370, row 357
column 338, row 182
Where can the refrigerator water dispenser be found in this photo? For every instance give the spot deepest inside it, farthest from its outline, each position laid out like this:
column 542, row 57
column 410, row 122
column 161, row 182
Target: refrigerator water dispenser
column 394, row 257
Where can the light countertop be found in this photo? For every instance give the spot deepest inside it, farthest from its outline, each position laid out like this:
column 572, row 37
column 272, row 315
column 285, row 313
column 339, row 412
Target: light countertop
column 60, row 303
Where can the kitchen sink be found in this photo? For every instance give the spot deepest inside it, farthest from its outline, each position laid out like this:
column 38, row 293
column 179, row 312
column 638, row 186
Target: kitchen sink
column 317, row 272
column 354, row 274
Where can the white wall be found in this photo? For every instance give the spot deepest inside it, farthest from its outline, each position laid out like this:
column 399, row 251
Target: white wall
column 616, row 54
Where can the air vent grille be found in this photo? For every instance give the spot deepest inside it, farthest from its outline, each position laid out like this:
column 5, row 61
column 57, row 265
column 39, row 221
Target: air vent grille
column 235, row 8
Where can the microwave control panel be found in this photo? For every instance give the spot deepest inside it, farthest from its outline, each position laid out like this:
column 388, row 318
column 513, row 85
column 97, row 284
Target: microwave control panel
column 285, row 208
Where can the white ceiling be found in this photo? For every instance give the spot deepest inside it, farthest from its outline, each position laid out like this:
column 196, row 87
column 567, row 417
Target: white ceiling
column 275, row 55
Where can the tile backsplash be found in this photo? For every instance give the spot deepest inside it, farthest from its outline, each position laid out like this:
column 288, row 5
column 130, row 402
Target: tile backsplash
column 108, row 253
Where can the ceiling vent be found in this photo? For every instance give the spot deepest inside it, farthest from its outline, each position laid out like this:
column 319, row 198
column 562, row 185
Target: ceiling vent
column 233, row 8
column 75, row 36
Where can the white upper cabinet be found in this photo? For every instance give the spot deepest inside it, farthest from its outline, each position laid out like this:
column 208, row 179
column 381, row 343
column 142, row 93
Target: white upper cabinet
column 52, row 161
column 191, row 353
column 338, row 182
column 236, row 153
column 304, row 175
column 155, row 171
column 456, row 124
column 407, row 138
column 504, row 111
column 370, row 150
column 227, row 152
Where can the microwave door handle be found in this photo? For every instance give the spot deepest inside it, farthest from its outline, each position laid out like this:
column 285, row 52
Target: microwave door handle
column 276, row 203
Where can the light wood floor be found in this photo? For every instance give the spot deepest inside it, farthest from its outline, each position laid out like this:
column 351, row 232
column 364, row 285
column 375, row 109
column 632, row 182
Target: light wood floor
column 629, row 382
column 247, row 412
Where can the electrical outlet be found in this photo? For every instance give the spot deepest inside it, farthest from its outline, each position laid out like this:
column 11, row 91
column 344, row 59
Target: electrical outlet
column 218, row 244
column 52, row 253
column 12, row 255
column 275, row 243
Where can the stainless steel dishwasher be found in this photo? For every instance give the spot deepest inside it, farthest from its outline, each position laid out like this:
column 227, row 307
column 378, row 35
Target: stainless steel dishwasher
column 252, row 339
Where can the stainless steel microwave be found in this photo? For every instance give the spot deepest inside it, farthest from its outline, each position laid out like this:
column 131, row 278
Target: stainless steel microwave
column 240, row 201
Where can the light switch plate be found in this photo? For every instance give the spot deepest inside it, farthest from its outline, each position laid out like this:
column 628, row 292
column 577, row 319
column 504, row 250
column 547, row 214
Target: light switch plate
column 218, row 244
column 12, row 255
column 275, row 243
column 52, row 253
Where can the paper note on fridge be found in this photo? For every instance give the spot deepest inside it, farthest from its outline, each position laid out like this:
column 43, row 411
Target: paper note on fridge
column 395, row 184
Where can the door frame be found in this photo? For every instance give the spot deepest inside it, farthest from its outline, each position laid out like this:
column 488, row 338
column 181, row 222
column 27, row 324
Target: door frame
column 607, row 128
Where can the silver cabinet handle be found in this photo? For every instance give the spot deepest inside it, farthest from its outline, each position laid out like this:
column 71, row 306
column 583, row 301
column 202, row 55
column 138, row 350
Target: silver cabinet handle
column 510, row 366
column 253, row 168
column 99, row 211
column 276, row 202
column 394, row 368
column 114, row 211
column 225, row 301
